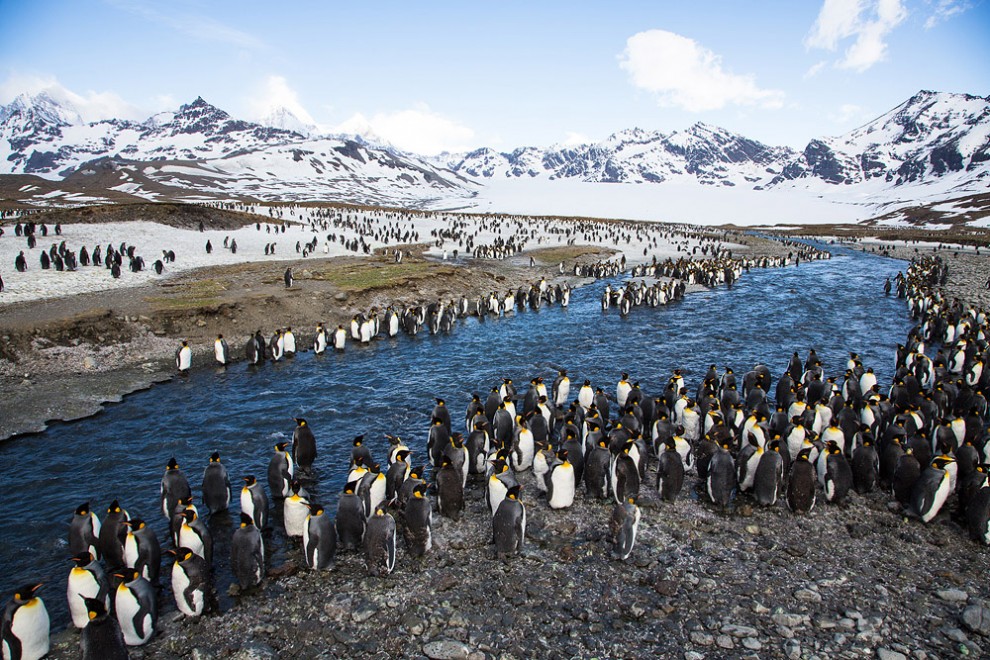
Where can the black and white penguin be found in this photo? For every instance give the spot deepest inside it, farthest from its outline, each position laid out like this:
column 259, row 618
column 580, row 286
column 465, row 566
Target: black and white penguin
column 978, row 512
column 372, row 489
column 112, row 535
column 84, row 531
column 351, row 519
column 136, row 609
column 670, row 472
column 86, row 580
column 339, row 338
column 191, row 585
column 768, row 481
column 419, row 522
column 906, row 474
column 195, row 536
column 247, row 554
column 319, row 539
column 500, row 481
column 287, row 277
column 834, row 473
column 174, row 487
column 142, row 551
column 221, row 351
column 255, row 349
column 561, row 389
column 183, row 357
column 295, row 509
column 933, row 488
column 509, row 524
column 801, row 483
column 625, row 474
column 101, row 639
column 281, row 470
column 397, row 473
column 596, row 470
column 865, row 466
column 254, row 502
column 303, row 444
column 379, row 543
column 561, row 482
column 450, row 490
column 321, row 340
column 25, row 629
column 216, row 485
column 623, row 528
column 721, row 480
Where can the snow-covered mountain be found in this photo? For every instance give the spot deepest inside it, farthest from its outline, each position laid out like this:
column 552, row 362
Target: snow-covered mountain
column 932, row 146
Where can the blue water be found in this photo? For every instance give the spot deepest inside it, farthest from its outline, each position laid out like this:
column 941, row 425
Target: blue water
column 834, row 306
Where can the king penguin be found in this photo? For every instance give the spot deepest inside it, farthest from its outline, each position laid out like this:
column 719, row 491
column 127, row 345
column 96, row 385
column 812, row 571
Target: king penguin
column 86, row 580
column 768, row 481
column 801, row 486
column 221, row 351
column 112, row 535
column 670, row 472
column 136, row 609
column 419, row 522
column 174, row 487
column 247, row 554
column 281, row 470
column 721, row 480
column 295, row 509
column 450, row 490
column 509, row 524
column 101, row 639
column 932, row 489
column 623, row 527
column 183, row 357
column 254, row 502
column 561, row 482
column 319, row 539
column 216, row 485
column 84, row 531
column 190, row 582
column 379, row 543
column 142, row 551
column 351, row 519
column 25, row 630
column 303, row 445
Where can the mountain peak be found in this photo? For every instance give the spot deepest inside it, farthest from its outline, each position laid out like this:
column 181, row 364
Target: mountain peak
column 284, row 119
column 43, row 108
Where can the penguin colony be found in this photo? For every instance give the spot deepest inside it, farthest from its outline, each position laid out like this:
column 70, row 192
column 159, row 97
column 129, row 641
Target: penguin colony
column 924, row 440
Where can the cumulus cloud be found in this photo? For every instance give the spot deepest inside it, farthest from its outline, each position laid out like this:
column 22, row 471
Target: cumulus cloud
column 276, row 93
column 417, row 129
column 866, row 22
column 944, row 10
column 89, row 106
column 685, row 74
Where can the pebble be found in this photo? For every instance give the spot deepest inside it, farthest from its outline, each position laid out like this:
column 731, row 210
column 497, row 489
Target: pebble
column 752, row 644
column 693, row 655
column 363, row 614
column 725, row 642
column 808, row 596
column 792, row 649
column 787, row 619
column 702, row 638
column 446, row 650
column 738, row 631
column 976, row 618
column 952, row 595
column 890, row 654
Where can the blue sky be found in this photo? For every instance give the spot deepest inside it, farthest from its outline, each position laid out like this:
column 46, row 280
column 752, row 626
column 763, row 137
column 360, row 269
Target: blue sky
column 456, row 75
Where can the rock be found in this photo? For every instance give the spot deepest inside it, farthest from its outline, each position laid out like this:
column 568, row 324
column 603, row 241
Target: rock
column 952, row 595
column 701, row 638
column 793, row 650
column 976, row 618
column 89, row 363
column 725, row 642
column 693, row 655
column 446, row 650
column 252, row 652
column 738, row 631
column 796, row 550
column 200, row 323
column 956, row 635
column 753, row 529
column 787, row 619
column 341, row 297
column 666, row 587
column 752, row 644
column 890, row 654
column 364, row 613
column 808, row 596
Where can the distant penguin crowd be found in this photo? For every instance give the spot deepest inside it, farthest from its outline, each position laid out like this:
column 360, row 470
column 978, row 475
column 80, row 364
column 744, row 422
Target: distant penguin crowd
column 803, row 438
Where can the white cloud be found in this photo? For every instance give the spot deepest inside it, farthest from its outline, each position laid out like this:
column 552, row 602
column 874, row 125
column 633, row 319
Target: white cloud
column 946, row 9
column 868, row 22
column 90, row 105
column 418, row 129
column 197, row 26
column 815, row 69
column 683, row 73
column 848, row 113
column 276, row 93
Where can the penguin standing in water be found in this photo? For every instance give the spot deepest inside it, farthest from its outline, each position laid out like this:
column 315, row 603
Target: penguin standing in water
column 101, row 639
column 509, row 524
column 561, row 389
column 254, row 502
column 319, row 539
column 174, row 487
column 339, row 338
column 25, row 630
column 190, row 582
column 86, row 580
column 183, row 357
column 801, row 486
column 932, row 488
column 216, row 485
column 351, row 519
column 303, row 445
column 247, row 554
column 623, row 527
column 419, row 522
column 561, row 482
column 142, row 551
column 379, row 544
column 321, row 341
column 221, row 351
column 255, row 349
column 136, row 609
column 721, row 480
column 112, row 535
column 84, row 531
column 289, row 343
column 281, row 470
column 450, row 490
